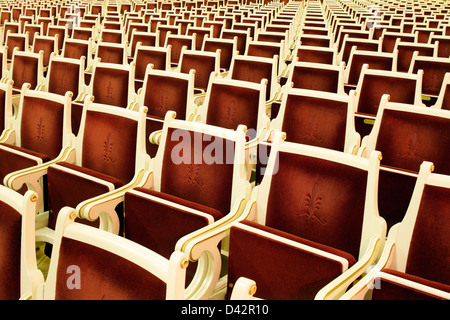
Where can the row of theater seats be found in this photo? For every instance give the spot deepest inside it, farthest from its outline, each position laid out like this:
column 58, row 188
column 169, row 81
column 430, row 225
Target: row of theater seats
column 254, row 174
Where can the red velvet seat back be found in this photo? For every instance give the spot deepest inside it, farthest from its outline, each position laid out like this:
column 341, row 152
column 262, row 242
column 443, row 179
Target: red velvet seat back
column 82, row 34
column 374, row 86
column 109, row 145
column 229, row 106
column 111, row 54
column 163, row 31
column 144, row 57
column 203, row 66
column 433, row 75
column 264, row 51
column 324, row 79
column 407, row 139
column 10, row 231
column 366, row 46
column 102, row 275
column 25, row 70
column 177, row 44
column 241, row 39
column 226, row 52
column 112, row 37
column 138, row 26
column 304, row 201
column 64, row 77
column 76, row 50
column 270, row 37
column 32, row 30
column 42, row 126
column 444, row 48
column 430, row 244
column 146, row 40
column 198, row 168
column 405, row 54
column 57, row 31
column 374, row 62
column 166, row 93
column 111, row 86
column 314, row 121
column 316, row 56
column 389, row 40
column 45, row 45
column 253, row 71
column 316, row 41
column 15, row 41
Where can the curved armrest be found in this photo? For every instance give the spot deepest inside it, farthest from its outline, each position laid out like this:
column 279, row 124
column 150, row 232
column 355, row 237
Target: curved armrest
column 155, row 137
column 8, row 136
column 15, row 180
column 206, row 240
column 362, row 151
column 336, row 288
column 105, row 203
column 360, row 289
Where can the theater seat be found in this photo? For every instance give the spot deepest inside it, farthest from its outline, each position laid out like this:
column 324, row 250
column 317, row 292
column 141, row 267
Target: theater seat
column 40, row 135
column 108, row 158
column 298, row 240
column 318, row 118
column 92, row 264
column 406, row 135
column 199, row 187
column 413, row 265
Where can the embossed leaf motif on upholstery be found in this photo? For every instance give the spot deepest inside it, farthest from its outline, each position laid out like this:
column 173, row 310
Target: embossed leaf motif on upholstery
column 313, row 203
column 164, row 101
column 62, row 84
column 191, row 176
column 412, row 149
column 109, row 92
column 107, row 150
column 229, row 115
column 40, row 131
column 22, row 76
column 311, row 130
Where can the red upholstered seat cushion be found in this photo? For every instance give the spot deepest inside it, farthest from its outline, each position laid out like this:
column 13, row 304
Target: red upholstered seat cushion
column 159, row 226
column 66, row 189
column 10, row 162
column 389, row 290
column 281, row 271
column 103, row 275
